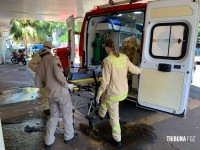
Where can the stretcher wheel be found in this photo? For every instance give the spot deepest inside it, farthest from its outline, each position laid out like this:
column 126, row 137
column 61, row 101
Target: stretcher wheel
column 90, row 122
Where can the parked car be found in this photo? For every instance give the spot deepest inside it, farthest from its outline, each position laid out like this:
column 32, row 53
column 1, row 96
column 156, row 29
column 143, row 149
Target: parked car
column 197, row 50
column 197, row 56
column 30, row 47
column 37, row 47
column 20, row 46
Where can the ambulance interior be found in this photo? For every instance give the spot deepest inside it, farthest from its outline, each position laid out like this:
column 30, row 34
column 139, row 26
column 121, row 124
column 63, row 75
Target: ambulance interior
column 125, row 29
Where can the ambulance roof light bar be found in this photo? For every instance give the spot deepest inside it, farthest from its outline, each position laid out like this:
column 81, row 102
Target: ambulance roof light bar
column 111, row 2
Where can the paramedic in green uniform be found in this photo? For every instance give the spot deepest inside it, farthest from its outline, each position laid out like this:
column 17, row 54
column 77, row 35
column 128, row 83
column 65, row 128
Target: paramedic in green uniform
column 114, row 85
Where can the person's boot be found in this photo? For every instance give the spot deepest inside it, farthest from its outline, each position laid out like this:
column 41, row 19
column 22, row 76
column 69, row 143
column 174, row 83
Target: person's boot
column 47, row 147
column 114, row 142
column 47, row 112
column 97, row 114
column 75, row 136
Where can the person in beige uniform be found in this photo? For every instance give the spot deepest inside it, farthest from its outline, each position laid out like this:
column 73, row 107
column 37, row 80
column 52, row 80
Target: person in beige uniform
column 32, row 65
column 114, row 87
column 36, row 58
column 49, row 75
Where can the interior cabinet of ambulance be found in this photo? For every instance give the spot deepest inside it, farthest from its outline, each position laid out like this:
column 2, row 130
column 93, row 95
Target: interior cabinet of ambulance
column 130, row 28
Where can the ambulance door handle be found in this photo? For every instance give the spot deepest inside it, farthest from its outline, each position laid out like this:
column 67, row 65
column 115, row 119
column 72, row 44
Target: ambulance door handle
column 165, row 67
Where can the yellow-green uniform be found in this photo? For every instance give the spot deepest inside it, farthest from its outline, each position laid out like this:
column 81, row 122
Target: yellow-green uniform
column 114, row 85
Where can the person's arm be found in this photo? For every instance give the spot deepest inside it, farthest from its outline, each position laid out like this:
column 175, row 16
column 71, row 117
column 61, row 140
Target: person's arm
column 38, row 81
column 34, row 62
column 106, row 74
column 132, row 68
column 58, row 72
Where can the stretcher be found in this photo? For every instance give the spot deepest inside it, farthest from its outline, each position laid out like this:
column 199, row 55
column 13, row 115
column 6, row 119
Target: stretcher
column 84, row 74
column 86, row 81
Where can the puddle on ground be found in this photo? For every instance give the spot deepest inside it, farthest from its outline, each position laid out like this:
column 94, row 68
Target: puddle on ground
column 134, row 136
column 18, row 95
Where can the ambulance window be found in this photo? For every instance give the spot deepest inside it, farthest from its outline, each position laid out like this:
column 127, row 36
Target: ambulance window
column 169, row 41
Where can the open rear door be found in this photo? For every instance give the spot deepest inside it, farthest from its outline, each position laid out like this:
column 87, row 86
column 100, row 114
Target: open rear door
column 168, row 54
column 71, row 39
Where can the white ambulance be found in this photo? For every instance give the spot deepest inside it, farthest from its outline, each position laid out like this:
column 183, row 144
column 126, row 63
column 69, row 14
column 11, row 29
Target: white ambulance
column 167, row 31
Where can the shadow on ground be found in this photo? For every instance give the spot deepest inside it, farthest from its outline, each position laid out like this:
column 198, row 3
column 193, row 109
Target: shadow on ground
column 135, row 136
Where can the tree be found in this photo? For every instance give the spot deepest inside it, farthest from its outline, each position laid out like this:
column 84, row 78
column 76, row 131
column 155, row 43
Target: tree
column 44, row 29
column 63, row 38
column 29, row 31
column 23, row 31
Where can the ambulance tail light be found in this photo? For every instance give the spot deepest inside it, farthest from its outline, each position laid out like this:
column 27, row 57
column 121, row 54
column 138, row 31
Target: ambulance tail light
column 96, row 7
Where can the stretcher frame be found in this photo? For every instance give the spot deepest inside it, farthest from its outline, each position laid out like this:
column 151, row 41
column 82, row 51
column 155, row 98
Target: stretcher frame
column 84, row 85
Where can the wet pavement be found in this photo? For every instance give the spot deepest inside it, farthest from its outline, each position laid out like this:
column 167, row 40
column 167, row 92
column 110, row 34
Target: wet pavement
column 16, row 138
column 135, row 136
column 20, row 105
column 15, row 76
column 18, row 95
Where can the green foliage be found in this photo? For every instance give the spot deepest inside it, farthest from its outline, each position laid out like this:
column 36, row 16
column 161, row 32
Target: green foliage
column 44, row 29
column 36, row 31
column 63, row 38
column 23, row 31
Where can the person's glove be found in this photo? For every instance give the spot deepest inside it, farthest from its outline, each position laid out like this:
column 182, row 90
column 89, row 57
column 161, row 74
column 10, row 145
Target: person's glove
column 70, row 87
column 97, row 99
column 140, row 67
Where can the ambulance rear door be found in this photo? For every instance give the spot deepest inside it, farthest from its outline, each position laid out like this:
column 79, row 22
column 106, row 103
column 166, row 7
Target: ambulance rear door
column 170, row 35
column 71, row 39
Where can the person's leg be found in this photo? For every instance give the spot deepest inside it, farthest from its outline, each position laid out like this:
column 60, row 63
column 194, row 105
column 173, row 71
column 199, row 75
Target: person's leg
column 103, row 107
column 44, row 99
column 52, row 122
column 65, row 105
column 113, row 109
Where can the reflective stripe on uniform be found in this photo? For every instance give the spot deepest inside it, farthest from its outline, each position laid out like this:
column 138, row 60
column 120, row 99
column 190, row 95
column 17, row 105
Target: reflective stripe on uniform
column 119, row 97
column 100, row 92
column 116, row 128
column 119, row 62
column 116, row 132
column 103, row 105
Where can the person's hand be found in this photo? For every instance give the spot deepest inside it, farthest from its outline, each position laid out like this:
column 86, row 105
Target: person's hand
column 97, row 99
column 140, row 67
column 70, row 87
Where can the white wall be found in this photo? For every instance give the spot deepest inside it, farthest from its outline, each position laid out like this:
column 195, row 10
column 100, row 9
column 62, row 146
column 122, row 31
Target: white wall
column 2, row 146
column 3, row 48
